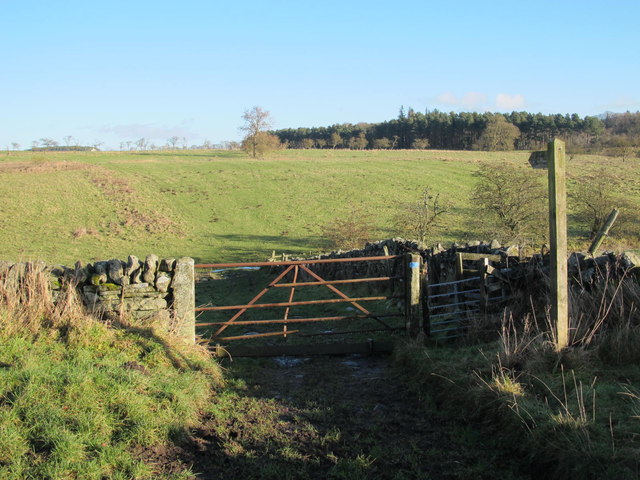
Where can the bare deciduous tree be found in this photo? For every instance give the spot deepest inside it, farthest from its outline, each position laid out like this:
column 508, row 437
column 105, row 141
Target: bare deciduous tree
column 498, row 135
column 381, row 143
column 48, row 142
column 335, row 140
column 172, row 141
column 417, row 220
column 513, row 202
column 593, row 196
column 68, row 140
column 257, row 140
column 141, row 143
column 349, row 231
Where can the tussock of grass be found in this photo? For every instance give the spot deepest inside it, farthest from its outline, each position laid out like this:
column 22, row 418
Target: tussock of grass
column 569, row 414
column 76, row 397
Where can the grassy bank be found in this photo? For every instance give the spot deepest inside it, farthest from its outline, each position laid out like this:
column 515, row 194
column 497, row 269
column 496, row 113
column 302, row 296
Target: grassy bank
column 569, row 414
column 222, row 205
column 79, row 399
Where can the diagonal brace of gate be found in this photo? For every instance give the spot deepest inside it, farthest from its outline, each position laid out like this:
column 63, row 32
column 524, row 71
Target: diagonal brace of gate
column 254, row 300
column 335, row 290
column 273, row 283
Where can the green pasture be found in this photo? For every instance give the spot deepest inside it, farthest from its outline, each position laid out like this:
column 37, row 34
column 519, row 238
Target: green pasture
column 222, row 206
column 83, row 400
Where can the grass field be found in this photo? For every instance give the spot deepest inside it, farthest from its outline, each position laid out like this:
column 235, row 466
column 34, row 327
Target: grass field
column 82, row 400
column 222, row 205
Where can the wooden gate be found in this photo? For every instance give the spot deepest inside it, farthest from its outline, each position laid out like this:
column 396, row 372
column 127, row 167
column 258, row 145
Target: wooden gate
column 451, row 306
column 297, row 299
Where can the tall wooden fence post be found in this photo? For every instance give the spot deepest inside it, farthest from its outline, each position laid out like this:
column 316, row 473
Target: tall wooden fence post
column 412, row 283
column 483, row 268
column 558, row 238
column 459, row 276
column 424, row 299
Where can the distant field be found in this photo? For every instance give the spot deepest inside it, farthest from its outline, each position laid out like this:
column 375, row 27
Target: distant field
column 221, row 205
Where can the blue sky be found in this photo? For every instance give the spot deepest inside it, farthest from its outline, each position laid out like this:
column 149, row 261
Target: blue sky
column 117, row 71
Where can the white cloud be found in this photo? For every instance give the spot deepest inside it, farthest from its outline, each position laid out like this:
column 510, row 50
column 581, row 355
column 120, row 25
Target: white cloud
column 470, row 100
column 505, row 101
column 473, row 99
column 621, row 103
column 447, row 98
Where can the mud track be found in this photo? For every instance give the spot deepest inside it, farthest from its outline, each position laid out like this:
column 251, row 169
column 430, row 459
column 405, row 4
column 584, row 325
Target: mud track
column 329, row 417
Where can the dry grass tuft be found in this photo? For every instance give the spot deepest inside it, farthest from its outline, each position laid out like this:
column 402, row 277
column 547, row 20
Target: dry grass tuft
column 122, row 193
column 28, row 305
column 83, row 232
column 350, row 231
column 604, row 321
column 42, row 166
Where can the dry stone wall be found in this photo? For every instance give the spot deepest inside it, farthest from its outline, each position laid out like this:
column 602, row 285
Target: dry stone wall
column 162, row 289
column 441, row 261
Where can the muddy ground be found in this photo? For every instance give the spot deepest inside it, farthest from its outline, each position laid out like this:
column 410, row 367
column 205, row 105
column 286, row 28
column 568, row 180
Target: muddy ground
column 348, row 417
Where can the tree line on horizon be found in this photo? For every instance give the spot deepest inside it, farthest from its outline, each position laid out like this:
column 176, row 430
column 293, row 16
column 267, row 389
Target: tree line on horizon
column 612, row 133
column 473, row 131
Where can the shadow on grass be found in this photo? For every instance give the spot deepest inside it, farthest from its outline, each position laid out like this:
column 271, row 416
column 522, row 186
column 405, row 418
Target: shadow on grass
column 347, row 417
column 179, row 360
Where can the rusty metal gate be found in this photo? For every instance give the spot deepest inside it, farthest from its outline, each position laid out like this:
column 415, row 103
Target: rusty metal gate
column 302, row 315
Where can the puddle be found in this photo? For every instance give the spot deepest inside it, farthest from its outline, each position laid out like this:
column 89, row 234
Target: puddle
column 220, row 270
column 289, row 362
column 350, row 363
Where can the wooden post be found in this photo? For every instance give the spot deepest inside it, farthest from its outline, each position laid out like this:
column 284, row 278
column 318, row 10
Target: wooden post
column 412, row 294
column 459, row 266
column 424, row 285
column 459, row 276
column 558, row 239
column 483, row 267
column 604, row 231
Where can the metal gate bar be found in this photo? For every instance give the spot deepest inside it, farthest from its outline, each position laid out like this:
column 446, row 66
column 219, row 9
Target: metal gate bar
column 297, row 265
column 301, row 320
column 255, row 299
column 296, row 262
column 354, row 303
column 258, row 335
column 293, row 304
column 335, row 282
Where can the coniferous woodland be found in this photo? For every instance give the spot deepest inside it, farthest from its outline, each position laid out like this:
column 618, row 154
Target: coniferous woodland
column 617, row 133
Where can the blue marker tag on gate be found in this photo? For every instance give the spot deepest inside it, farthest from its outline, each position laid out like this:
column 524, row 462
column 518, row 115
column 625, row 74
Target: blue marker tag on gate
column 414, row 264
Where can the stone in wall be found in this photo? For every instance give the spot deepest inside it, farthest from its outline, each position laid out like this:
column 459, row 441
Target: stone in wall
column 150, row 267
column 163, row 280
column 114, row 287
column 167, row 265
column 115, row 273
column 99, row 274
column 631, row 260
column 80, row 273
column 183, row 303
column 133, row 269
